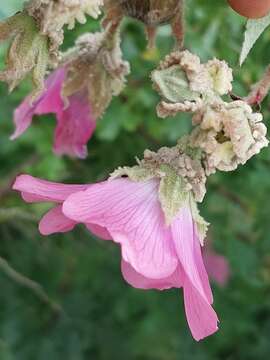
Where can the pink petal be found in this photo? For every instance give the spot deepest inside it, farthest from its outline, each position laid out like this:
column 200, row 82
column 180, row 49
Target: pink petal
column 55, row 221
column 217, row 267
column 38, row 190
column 201, row 317
column 50, row 101
column 139, row 281
column 75, row 126
column 131, row 212
column 202, row 270
column 99, row 231
column 189, row 254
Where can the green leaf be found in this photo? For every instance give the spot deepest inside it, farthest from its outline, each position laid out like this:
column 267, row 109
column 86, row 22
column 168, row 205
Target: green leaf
column 173, row 84
column 254, row 29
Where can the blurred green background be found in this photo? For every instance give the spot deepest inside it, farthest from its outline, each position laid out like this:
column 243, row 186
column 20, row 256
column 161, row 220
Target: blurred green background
column 104, row 317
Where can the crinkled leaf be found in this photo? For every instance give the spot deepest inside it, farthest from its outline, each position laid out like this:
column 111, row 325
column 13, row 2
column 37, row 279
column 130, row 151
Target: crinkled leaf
column 254, row 29
column 28, row 52
column 173, row 84
column 172, row 195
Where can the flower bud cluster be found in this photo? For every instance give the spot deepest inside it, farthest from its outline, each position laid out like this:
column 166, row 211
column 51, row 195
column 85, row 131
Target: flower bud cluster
column 227, row 133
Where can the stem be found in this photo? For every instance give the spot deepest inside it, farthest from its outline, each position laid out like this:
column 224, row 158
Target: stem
column 113, row 13
column 151, row 36
column 178, row 26
column 35, row 287
column 260, row 90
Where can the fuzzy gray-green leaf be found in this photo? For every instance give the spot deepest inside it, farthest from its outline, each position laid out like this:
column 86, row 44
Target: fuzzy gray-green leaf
column 173, row 84
column 28, row 52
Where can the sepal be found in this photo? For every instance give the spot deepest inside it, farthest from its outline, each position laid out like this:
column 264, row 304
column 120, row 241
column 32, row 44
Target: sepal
column 173, row 194
column 201, row 224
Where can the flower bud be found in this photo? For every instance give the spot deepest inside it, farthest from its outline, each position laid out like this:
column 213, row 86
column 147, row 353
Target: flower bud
column 151, row 12
column 229, row 135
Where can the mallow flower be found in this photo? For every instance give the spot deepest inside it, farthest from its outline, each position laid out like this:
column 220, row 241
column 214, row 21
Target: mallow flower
column 150, row 210
column 78, row 92
column 75, row 121
column 155, row 255
column 34, row 190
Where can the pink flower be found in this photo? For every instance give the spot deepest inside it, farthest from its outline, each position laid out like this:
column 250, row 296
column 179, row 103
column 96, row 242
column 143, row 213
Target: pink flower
column 75, row 123
column 216, row 265
column 155, row 256
column 35, row 190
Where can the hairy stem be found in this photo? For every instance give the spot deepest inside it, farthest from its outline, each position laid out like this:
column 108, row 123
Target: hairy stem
column 260, row 90
column 178, row 26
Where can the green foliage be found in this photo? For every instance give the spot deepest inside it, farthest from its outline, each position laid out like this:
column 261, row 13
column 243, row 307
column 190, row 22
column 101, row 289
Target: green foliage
column 105, row 318
column 254, row 29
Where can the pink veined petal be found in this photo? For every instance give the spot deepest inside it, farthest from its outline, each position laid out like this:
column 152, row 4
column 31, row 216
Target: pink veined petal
column 50, row 101
column 132, row 214
column 38, row 190
column 106, row 196
column 99, row 231
column 75, row 126
column 201, row 269
column 217, row 267
column 54, row 221
column 139, row 281
column 186, row 246
column 201, row 317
